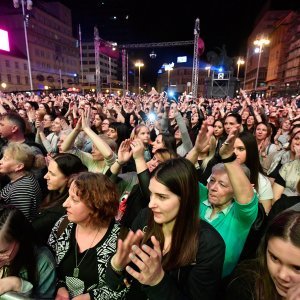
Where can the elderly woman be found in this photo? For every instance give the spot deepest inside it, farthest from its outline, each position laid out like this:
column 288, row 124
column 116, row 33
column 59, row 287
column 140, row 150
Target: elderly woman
column 84, row 241
column 23, row 190
column 229, row 202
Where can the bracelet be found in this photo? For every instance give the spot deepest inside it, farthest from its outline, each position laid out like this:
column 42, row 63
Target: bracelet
column 117, row 161
column 118, row 271
column 229, row 159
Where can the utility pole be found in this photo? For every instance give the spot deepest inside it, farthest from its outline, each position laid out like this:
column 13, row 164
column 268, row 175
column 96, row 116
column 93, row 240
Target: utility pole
column 97, row 59
column 195, row 60
column 16, row 4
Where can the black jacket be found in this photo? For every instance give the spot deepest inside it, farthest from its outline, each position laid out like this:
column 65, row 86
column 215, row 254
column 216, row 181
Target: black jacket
column 199, row 280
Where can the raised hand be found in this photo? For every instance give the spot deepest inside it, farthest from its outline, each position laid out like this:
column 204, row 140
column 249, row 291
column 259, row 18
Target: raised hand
column 148, row 260
column 138, row 148
column 203, row 137
column 85, row 119
column 124, row 152
column 78, row 126
column 227, row 149
column 39, row 125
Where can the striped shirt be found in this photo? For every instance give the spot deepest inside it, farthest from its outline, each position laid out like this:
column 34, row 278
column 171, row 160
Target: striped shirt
column 24, row 194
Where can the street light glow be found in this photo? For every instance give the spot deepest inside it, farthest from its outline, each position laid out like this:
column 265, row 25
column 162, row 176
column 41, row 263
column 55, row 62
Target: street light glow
column 260, row 43
column 139, row 64
column 239, row 62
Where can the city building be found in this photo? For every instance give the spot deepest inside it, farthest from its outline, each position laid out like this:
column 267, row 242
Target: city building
column 274, row 68
column 179, row 79
column 109, row 68
column 53, row 52
column 13, row 71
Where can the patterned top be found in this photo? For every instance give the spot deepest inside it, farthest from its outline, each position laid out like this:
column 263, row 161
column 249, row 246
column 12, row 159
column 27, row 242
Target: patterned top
column 62, row 245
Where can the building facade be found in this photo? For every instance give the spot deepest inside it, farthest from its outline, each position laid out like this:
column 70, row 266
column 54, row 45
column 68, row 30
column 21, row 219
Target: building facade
column 279, row 65
column 13, row 72
column 108, row 68
column 54, row 55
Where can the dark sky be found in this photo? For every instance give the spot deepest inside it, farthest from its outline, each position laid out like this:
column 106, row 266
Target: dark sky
column 227, row 22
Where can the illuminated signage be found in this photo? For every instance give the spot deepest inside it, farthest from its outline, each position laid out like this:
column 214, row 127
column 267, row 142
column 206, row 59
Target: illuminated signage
column 182, row 59
column 4, row 43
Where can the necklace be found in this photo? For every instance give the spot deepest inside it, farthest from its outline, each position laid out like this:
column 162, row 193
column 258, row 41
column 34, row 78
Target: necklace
column 76, row 269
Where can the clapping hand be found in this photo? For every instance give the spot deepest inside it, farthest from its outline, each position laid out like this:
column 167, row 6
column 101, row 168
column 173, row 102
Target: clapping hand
column 121, row 259
column 148, row 260
column 39, row 125
column 85, row 119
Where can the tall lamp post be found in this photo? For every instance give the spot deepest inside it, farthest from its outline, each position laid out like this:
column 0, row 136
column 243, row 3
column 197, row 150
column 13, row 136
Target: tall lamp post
column 239, row 62
column 260, row 43
column 168, row 68
column 139, row 64
column 25, row 23
column 207, row 68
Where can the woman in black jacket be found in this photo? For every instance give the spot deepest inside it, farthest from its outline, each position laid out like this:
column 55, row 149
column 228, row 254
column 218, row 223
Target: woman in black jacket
column 170, row 253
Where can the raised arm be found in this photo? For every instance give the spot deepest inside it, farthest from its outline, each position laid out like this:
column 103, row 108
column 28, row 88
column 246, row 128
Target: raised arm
column 70, row 139
column 101, row 145
column 185, row 137
column 202, row 141
column 241, row 185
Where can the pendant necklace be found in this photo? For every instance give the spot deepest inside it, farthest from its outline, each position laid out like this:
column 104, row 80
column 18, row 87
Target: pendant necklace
column 76, row 269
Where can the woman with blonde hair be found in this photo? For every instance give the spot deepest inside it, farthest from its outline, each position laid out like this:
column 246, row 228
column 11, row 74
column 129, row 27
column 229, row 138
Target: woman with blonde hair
column 23, row 190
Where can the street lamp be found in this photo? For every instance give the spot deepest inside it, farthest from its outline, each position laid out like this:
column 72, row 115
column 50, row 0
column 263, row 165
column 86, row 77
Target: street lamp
column 3, row 85
column 208, row 70
column 260, row 43
column 139, row 64
column 169, row 68
column 239, row 62
column 25, row 23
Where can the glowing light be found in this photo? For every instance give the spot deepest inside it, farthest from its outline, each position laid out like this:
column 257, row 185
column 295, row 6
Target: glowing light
column 4, row 43
column 171, row 94
column 3, row 85
column 220, row 69
column 46, row 87
column 256, row 50
column 152, row 117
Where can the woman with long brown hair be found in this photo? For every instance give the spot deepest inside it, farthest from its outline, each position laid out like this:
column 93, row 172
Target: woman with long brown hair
column 176, row 256
column 60, row 169
column 274, row 275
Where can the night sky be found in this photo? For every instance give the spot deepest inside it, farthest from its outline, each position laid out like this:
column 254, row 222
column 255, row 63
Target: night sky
column 226, row 22
column 222, row 22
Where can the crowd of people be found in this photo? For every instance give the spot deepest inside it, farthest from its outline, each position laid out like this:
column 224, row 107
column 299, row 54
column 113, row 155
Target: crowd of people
column 149, row 197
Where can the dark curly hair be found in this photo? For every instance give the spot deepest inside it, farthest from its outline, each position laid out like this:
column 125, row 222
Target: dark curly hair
column 99, row 194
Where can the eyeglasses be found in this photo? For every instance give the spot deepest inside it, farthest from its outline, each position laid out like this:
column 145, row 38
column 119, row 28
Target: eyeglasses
column 105, row 123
